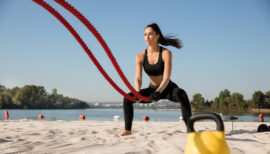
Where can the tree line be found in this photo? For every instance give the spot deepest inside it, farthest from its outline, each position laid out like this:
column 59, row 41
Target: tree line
column 36, row 97
column 231, row 102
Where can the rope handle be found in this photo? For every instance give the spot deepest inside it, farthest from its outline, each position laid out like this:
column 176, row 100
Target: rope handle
column 58, row 16
column 92, row 29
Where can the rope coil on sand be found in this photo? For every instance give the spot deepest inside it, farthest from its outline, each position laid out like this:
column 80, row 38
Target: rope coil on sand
column 87, row 50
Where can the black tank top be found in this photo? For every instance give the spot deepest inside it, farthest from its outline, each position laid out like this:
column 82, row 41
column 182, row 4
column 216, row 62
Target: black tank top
column 153, row 69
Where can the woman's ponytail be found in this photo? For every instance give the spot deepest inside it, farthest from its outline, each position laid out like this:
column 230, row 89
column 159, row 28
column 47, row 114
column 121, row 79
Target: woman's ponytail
column 168, row 40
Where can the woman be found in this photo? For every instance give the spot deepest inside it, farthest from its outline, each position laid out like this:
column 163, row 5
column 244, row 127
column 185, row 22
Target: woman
column 157, row 63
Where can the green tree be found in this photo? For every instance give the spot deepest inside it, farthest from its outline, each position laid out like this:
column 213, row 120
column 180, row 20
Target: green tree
column 54, row 91
column 30, row 97
column 2, row 88
column 197, row 101
column 6, row 99
column 258, row 99
column 267, row 99
column 36, row 97
column 250, row 103
column 237, row 101
column 224, row 99
column 215, row 104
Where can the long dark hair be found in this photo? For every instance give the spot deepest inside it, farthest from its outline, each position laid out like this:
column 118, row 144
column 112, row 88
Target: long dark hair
column 168, row 40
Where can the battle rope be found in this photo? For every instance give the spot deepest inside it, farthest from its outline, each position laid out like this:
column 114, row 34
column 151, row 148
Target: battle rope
column 91, row 28
column 83, row 45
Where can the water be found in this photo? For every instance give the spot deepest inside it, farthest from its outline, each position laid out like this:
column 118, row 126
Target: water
column 107, row 115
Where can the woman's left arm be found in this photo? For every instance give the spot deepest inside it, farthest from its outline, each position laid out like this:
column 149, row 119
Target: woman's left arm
column 167, row 59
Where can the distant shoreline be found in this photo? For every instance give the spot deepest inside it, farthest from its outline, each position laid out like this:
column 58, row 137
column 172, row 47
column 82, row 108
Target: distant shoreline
column 264, row 111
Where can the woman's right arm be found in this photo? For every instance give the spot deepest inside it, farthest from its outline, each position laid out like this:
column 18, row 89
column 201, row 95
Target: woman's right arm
column 138, row 76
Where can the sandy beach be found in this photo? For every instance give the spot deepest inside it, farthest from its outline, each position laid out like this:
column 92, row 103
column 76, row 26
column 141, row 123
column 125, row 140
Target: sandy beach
column 101, row 137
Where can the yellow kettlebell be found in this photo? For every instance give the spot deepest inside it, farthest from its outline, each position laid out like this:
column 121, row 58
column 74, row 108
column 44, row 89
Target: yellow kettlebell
column 206, row 142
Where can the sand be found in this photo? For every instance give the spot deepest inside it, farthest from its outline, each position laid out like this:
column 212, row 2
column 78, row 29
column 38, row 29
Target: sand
column 102, row 137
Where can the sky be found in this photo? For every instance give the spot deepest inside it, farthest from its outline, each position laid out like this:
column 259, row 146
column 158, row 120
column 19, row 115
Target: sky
column 226, row 45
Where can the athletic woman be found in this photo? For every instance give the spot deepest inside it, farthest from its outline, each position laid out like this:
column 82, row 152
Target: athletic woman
column 157, row 63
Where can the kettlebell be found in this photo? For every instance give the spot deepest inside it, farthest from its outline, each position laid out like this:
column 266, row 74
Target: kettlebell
column 206, row 142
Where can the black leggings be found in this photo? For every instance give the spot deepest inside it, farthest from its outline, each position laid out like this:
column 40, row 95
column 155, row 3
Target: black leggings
column 171, row 92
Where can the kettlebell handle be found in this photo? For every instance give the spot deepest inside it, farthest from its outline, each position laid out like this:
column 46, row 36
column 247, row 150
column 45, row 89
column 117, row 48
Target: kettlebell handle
column 201, row 116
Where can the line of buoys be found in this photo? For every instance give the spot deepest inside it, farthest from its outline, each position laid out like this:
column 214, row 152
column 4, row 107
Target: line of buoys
column 6, row 115
column 145, row 118
column 41, row 116
column 82, row 117
column 261, row 117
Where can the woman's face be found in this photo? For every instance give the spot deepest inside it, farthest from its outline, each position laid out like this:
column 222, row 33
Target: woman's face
column 150, row 36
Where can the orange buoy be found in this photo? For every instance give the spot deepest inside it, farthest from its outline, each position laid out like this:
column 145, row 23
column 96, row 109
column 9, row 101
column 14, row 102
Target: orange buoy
column 261, row 117
column 82, row 117
column 40, row 116
column 145, row 118
column 6, row 115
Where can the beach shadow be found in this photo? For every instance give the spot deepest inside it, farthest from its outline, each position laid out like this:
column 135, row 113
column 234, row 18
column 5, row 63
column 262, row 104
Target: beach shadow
column 3, row 141
column 161, row 132
column 234, row 132
column 143, row 151
column 178, row 131
column 236, row 139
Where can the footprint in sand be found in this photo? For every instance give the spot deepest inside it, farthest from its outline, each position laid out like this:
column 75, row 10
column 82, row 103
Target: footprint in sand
column 37, row 143
column 115, row 129
column 83, row 138
column 143, row 151
column 177, row 131
column 20, row 149
column 82, row 132
column 34, row 134
column 27, row 143
column 20, row 140
column 237, row 151
column 165, row 138
column 71, row 133
column 77, row 139
column 161, row 132
column 52, row 132
column 4, row 141
column 8, row 137
column 169, row 134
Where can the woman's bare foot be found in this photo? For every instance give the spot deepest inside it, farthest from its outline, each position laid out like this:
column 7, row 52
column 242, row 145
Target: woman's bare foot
column 126, row 132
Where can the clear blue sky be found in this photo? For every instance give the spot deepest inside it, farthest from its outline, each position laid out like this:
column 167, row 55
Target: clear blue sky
column 226, row 45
